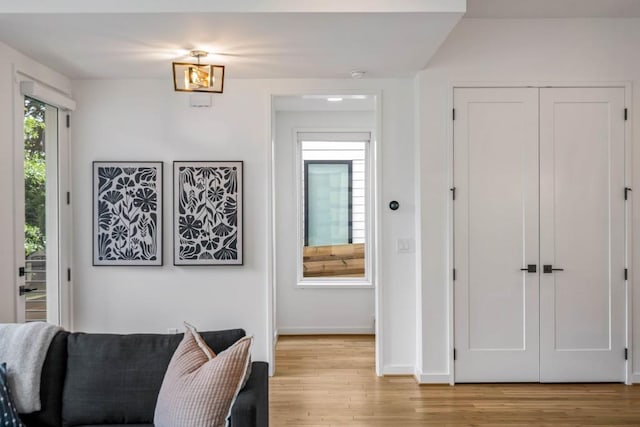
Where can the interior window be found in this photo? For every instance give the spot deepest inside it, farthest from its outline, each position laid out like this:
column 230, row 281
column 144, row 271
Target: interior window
column 334, row 206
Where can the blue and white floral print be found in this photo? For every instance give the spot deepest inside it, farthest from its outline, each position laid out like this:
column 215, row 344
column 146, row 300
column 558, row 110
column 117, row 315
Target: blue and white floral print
column 207, row 213
column 128, row 213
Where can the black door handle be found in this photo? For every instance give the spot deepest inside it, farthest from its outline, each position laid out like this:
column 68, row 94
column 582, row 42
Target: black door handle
column 548, row 268
column 530, row 268
column 24, row 290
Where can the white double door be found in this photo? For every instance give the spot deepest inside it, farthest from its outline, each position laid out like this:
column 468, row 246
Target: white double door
column 539, row 180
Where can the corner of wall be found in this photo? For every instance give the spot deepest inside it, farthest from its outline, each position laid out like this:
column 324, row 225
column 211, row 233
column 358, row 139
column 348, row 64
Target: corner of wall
column 418, row 224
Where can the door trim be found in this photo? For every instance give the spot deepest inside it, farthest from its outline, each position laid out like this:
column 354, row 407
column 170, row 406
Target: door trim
column 64, row 241
column 629, row 250
column 375, row 150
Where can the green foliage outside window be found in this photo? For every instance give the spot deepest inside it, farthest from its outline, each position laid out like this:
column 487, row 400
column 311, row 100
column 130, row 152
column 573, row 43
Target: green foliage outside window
column 35, row 174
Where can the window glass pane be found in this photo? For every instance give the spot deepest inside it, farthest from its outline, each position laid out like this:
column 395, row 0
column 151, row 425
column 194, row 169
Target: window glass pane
column 328, row 208
column 334, row 203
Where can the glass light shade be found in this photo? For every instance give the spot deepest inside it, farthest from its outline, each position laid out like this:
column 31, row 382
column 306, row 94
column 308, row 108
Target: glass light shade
column 189, row 77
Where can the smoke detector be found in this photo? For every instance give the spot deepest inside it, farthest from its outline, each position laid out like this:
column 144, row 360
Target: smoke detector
column 357, row 74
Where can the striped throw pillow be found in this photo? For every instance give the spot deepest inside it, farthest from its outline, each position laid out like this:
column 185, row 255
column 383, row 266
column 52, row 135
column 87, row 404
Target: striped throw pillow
column 200, row 387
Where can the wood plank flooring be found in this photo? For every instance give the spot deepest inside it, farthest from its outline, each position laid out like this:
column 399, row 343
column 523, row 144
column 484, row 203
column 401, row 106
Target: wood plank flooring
column 331, row 381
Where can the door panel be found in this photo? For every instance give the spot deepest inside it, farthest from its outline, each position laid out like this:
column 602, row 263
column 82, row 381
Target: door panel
column 37, row 214
column 582, row 232
column 496, row 234
column 579, row 324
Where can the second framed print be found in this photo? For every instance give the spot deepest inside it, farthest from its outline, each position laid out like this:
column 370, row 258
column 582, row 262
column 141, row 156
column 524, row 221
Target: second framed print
column 207, row 217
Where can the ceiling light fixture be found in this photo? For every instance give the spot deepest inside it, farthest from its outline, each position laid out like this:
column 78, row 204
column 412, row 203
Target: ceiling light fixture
column 189, row 77
column 334, row 99
column 357, row 74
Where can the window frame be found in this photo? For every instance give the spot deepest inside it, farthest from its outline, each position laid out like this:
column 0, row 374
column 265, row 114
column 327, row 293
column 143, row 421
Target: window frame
column 342, row 135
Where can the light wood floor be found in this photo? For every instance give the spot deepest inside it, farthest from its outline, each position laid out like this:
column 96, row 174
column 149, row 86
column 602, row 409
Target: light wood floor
column 330, row 381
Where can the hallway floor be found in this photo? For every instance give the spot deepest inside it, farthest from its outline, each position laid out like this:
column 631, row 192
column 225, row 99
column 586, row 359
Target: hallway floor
column 331, row 381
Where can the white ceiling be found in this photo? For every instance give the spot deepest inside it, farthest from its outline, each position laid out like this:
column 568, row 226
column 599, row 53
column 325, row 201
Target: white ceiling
column 321, row 103
column 553, row 9
column 280, row 40
column 258, row 38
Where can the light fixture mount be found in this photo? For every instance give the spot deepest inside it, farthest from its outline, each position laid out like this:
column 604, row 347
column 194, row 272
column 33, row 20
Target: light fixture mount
column 189, row 77
column 198, row 54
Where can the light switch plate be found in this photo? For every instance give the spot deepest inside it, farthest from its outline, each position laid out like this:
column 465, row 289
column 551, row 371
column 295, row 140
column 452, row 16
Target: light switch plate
column 404, row 246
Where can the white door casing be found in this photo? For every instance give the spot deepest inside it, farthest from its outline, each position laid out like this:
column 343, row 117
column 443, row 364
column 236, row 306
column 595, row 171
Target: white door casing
column 59, row 223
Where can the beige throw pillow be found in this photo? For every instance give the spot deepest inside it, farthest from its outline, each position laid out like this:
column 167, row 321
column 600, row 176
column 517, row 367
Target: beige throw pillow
column 199, row 386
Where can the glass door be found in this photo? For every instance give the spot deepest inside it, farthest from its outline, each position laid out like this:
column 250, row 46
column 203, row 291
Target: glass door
column 39, row 273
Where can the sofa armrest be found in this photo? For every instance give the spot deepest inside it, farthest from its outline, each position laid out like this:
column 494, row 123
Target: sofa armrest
column 251, row 408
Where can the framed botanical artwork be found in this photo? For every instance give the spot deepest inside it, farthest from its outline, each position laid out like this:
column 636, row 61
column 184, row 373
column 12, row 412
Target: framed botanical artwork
column 207, row 217
column 127, row 213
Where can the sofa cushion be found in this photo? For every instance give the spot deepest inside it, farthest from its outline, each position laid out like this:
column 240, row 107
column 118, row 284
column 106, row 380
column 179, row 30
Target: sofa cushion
column 200, row 386
column 115, row 379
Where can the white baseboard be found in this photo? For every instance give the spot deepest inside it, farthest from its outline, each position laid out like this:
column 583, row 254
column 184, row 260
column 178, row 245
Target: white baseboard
column 431, row 378
column 325, row 331
column 397, row 370
column 635, row 377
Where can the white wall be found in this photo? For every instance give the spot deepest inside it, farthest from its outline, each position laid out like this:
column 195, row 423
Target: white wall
column 301, row 310
column 147, row 120
column 506, row 51
column 10, row 62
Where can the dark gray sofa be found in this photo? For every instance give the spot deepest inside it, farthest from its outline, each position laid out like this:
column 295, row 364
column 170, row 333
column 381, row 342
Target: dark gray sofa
column 114, row 380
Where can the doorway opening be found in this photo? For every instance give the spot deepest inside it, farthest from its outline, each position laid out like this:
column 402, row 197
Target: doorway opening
column 42, row 200
column 40, row 206
column 324, row 222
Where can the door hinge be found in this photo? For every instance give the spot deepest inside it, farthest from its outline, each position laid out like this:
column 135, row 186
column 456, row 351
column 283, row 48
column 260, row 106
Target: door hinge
column 453, row 113
column 455, row 354
column 68, row 120
column 626, row 192
column 68, row 274
column 626, row 354
column 625, row 114
column 21, row 272
column 68, row 197
column 626, row 274
column 454, row 274
column 453, row 192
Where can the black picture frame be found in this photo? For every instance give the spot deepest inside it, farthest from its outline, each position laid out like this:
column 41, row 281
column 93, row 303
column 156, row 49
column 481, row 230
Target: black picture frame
column 128, row 213
column 208, row 213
